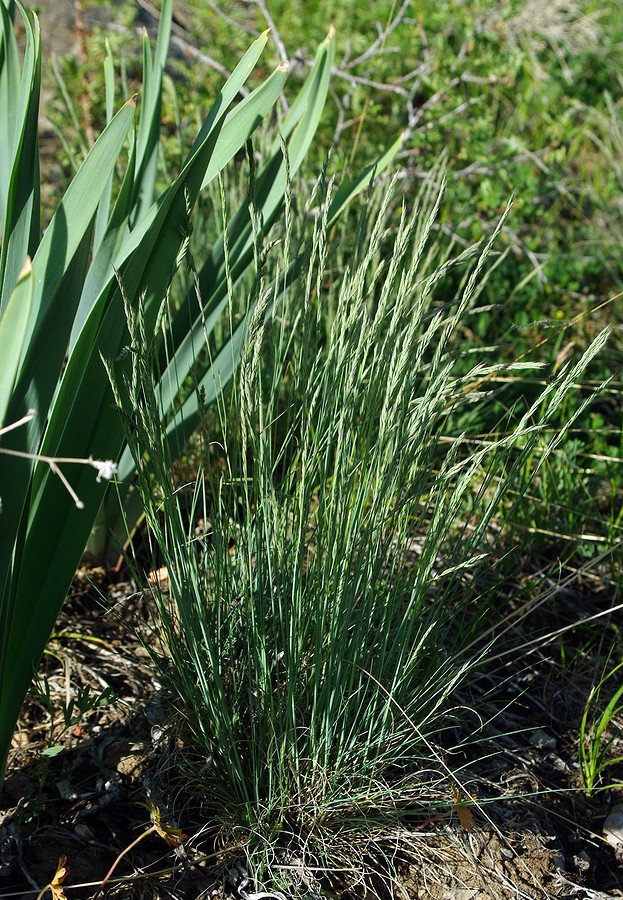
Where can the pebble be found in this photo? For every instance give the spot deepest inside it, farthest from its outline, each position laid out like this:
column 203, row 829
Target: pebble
column 582, row 861
column 613, row 826
column 542, row 740
column 559, row 860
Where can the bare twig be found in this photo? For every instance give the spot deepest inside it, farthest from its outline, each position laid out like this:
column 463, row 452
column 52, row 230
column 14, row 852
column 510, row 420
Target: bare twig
column 189, row 49
column 283, row 55
column 378, row 47
column 229, row 20
column 179, row 40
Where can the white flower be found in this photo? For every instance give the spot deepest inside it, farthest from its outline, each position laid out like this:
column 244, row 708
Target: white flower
column 106, row 468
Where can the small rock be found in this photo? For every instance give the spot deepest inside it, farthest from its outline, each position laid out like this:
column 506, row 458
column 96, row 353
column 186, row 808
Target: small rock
column 558, row 859
column 84, row 832
column 68, row 791
column 133, row 765
column 582, row 861
column 613, row 826
column 542, row 740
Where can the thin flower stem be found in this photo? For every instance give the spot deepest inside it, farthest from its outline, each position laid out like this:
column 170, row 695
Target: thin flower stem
column 27, row 418
column 50, row 460
column 131, row 846
column 54, row 468
column 105, row 468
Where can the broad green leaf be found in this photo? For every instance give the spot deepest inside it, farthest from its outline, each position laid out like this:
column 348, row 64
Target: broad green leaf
column 13, row 327
column 10, row 93
column 19, row 148
column 299, row 128
column 103, row 210
column 243, row 120
column 119, row 243
column 74, row 216
column 148, row 134
column 84, row 422
column 100, row 276
column 150, row 255
column 231, row 88
column 58, row 267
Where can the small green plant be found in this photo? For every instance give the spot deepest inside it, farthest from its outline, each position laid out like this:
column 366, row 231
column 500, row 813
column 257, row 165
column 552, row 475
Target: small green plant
column 72, row 709
column 601, row 732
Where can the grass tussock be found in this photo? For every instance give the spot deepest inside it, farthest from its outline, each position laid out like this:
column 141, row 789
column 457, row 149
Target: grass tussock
column 320, row 610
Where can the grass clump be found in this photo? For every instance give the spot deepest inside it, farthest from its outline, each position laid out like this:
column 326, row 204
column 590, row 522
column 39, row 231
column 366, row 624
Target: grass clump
column 321, row 607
